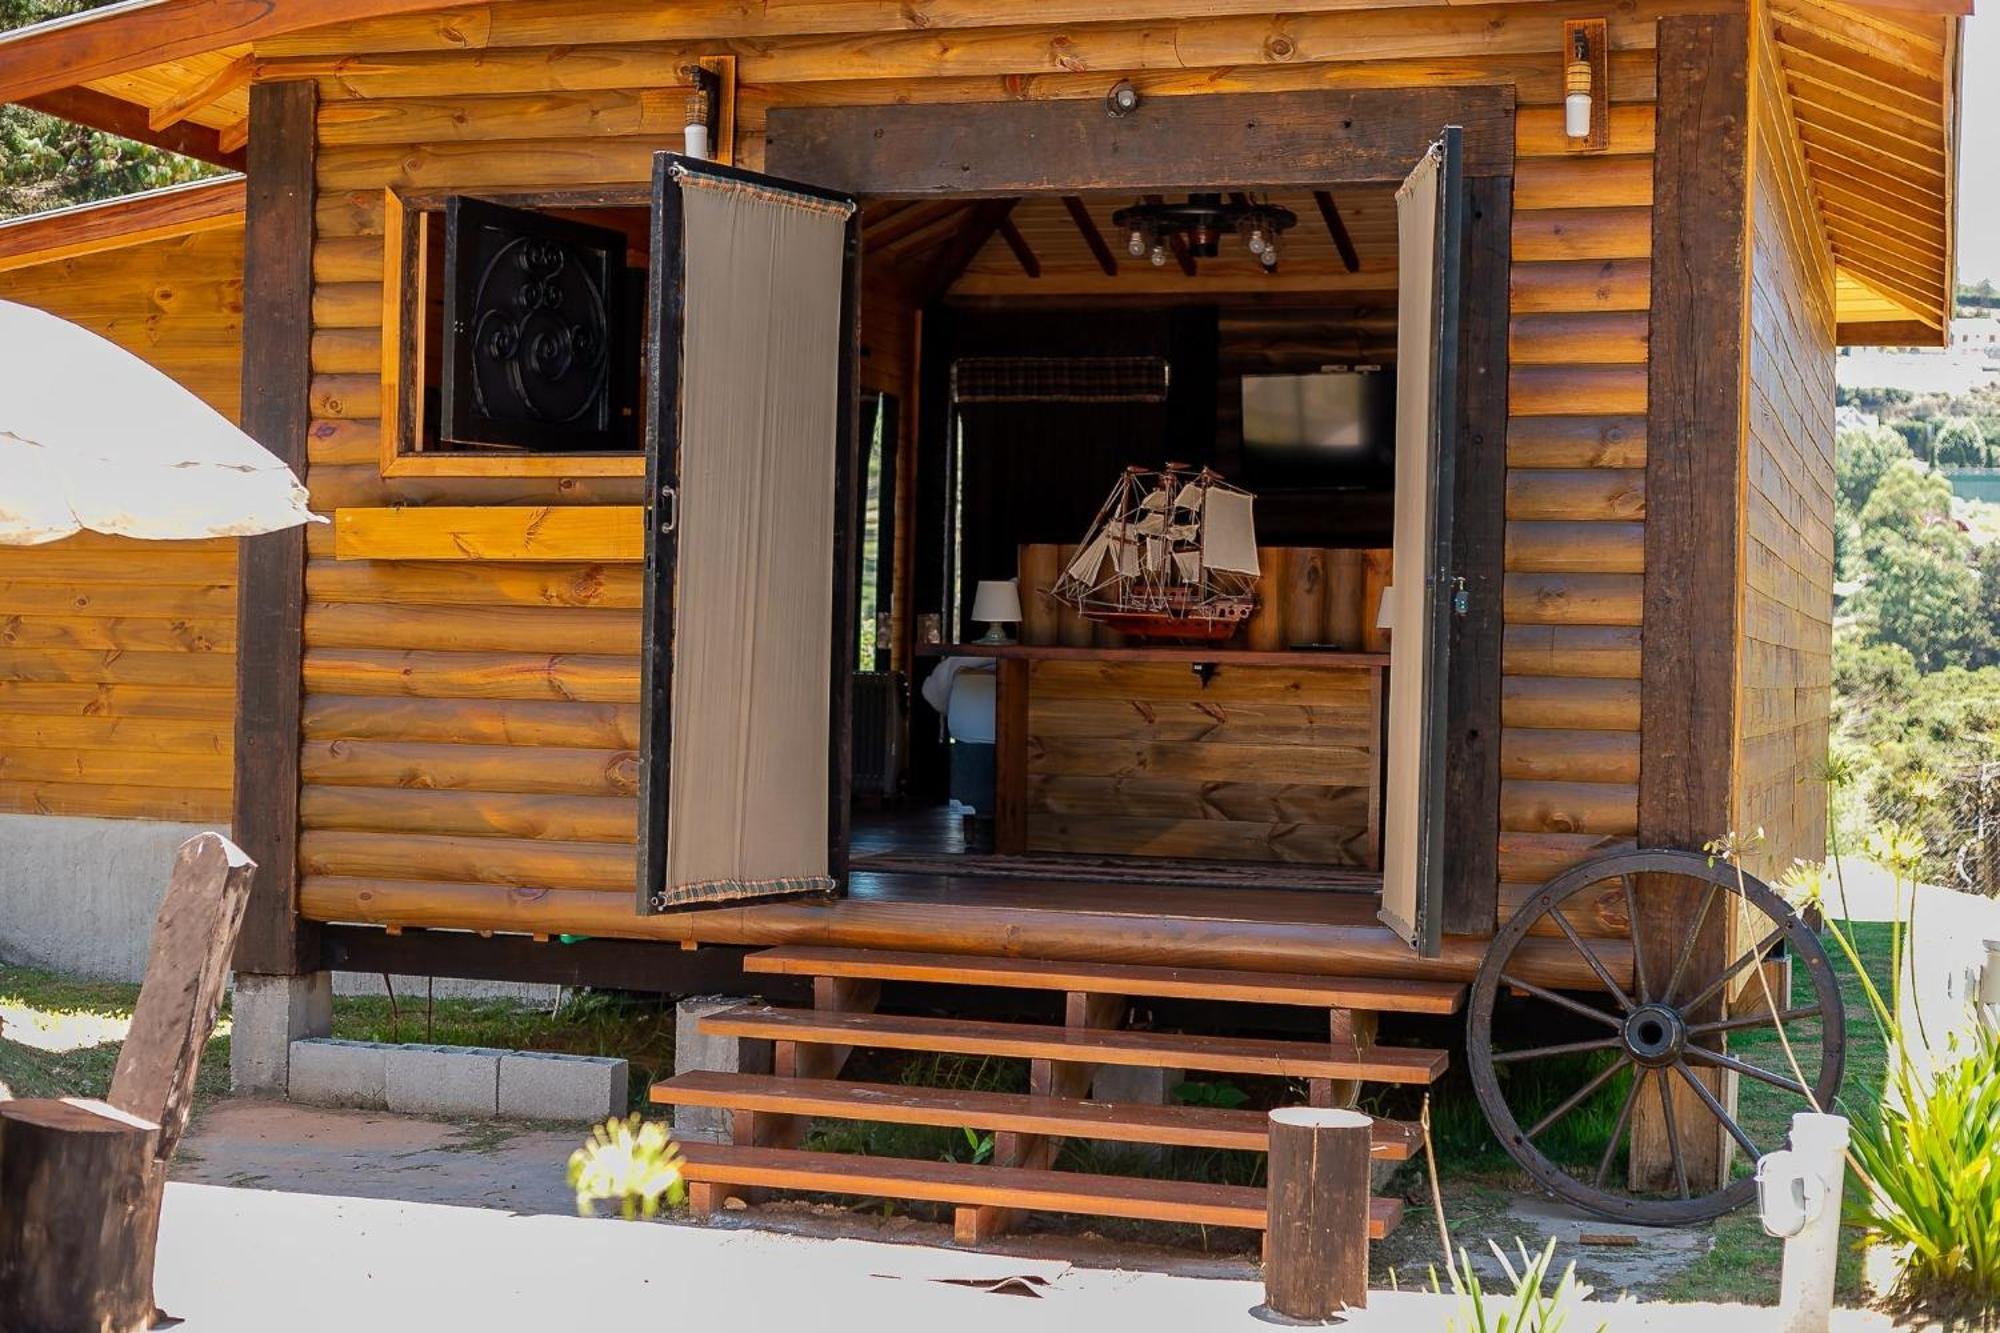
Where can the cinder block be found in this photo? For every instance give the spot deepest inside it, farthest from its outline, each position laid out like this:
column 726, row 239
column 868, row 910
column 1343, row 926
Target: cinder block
column 443, row 1080
column 267, row 1014
column 695, row 1049
column 329, row 1072
column 542, row 1085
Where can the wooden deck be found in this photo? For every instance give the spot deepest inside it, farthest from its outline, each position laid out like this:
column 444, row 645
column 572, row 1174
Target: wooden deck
column 1259, row 930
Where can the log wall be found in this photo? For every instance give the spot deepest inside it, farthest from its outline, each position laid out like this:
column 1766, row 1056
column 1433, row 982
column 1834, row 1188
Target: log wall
column 1785, row 672
column 470, row 728
column 117, row 657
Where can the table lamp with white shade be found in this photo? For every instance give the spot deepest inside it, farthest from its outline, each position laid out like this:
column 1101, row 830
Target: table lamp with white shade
column 998, row 603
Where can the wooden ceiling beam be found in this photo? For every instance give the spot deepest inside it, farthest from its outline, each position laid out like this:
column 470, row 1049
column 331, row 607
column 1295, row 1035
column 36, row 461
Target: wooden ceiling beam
column 1921, row 302
column 1856, row 33
column 1858, row 247
column 907, row 222
column 87, row 106
column 1862, row 61
column 1919, row 158
column 1823, row 149
column 232, row 77
column 1336, row 227
column 1886, row 333
column 1086, row 227
column 1840, row 209
column 1924, row 136
column 1803, row 66
column 982, row 220
column 1024, row 254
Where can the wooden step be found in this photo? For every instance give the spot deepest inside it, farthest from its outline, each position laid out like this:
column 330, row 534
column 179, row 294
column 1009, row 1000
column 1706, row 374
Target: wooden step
column 995, row 1186
column 1386, row 994
column 1000, row 1112
column 1152, row 1050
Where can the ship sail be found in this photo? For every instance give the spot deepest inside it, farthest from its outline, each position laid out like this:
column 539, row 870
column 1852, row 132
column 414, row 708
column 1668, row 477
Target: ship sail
column 1169, row 555
column 1228, row 533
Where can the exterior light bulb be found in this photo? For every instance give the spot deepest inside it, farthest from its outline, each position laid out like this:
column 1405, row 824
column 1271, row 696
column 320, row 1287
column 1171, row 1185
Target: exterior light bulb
column 696, row 138
column 1257, row 242
column 1159, row 255
column 1576, row 115
column 1576, row 88
column 1135, row 244
column 1268, row 256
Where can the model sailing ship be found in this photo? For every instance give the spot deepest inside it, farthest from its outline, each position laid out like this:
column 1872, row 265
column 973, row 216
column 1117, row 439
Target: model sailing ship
column 1170, row 555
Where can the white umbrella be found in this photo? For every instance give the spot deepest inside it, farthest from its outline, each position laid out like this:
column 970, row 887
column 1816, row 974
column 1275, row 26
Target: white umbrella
column 93, row 437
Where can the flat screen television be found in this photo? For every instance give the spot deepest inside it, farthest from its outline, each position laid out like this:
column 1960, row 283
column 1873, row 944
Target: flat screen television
column 1334, row 429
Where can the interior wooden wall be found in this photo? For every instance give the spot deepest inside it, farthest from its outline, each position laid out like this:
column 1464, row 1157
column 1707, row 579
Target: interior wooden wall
column 117, row 657
column 1785, row 693
column 470, row 728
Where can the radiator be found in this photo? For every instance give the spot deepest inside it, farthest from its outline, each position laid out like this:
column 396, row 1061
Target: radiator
column 879, row 704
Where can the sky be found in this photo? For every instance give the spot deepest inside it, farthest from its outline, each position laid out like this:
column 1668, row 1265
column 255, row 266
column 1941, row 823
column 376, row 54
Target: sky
column 1979, row 131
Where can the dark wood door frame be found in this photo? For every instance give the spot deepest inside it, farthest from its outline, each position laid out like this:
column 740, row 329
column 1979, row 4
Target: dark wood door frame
column 1314, row 139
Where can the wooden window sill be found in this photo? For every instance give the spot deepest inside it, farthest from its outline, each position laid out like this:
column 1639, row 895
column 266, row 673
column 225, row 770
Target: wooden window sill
column 606, row 534
column 448, row 464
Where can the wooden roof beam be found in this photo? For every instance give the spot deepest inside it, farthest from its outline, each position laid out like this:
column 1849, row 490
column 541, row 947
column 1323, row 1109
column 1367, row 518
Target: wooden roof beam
column 1024, row 254
column 232, row 77
column 1336, row 227
column 1921, row 303
column 1086, row 227
column 116, row 39
column 982, row 220
column 65, row 233
column 100, row 111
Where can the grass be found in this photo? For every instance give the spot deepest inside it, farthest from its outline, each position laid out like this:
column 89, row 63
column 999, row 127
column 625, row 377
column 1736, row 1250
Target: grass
column 63, row 1035
column 1744, row 1262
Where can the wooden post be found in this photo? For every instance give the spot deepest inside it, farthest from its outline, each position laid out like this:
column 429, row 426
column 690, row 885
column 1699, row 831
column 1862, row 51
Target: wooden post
column 1010, row 756
column 77, row 1207
column 1266, row 631
column 1040, row 616
column 1694, row 428
column 1316, row 1242
column 270, row 616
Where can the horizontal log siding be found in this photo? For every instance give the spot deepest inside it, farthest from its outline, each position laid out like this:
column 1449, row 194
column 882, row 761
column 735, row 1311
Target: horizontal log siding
column 1576, row 509
column 117, row 666
column 1785, row 669
column 522, row 95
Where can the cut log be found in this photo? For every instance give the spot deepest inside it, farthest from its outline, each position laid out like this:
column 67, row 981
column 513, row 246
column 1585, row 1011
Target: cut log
column 187, row 966
column 78, row 1210
column 1316, row 1258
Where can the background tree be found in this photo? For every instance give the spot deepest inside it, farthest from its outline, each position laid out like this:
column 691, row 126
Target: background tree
column 49, row 163
column 1861, row 456
column 1959, row 443
column 1922, row 590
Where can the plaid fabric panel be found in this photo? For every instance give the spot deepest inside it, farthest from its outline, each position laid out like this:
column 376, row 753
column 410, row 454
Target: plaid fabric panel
column 1059, row 379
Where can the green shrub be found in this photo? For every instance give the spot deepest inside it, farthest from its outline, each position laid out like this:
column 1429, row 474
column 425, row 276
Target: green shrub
column 1527, row 1309
column 1932, row 1180
column 632, row 1161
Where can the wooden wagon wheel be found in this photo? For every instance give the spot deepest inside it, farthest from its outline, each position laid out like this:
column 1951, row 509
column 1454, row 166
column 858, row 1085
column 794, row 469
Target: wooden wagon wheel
column 1653, row 1020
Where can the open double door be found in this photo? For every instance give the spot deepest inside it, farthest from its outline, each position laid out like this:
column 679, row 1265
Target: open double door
column 752, row 447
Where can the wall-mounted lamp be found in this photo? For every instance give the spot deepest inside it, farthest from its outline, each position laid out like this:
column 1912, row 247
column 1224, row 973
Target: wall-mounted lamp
column 1576, row 86
column 703, row 87
column 1585, row 65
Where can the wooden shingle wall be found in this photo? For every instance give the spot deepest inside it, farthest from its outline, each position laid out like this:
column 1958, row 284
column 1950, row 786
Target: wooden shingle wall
column 471, row 730
column 117, row 657
column 1785, row 693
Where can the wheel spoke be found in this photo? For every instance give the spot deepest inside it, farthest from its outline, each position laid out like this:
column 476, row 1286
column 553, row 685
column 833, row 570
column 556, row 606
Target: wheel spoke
column 1618, row 1127
column 1749, row 1070
column 1673, row 1136
column 1567, row 1048
column 1756, row 953
column 1638, row 952
column 1553, row 998
column 1590, row 957
column 1687, row 945
column 1716, row 1109
column 1577, row 1098
column 1754, row 1021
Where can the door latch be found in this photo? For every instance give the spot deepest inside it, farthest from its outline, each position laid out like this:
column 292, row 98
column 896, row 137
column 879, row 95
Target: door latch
column 1461, row 600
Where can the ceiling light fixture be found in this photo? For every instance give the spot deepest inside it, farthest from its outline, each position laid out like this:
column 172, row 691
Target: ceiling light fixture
column 1156, row 230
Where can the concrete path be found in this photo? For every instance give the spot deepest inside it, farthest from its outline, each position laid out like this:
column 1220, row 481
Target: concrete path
column 304, row 1219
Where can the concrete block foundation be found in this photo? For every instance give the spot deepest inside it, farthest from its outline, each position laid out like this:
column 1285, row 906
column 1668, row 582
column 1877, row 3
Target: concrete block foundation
column 329, row 1072
column 268, row 1014
column 443, row 1080
column 79, row 895
column 540, row 1085
column 695, row 1049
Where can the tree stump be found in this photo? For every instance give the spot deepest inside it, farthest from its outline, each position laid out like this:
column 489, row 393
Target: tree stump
column 1316, row 1242
column 78, row 1211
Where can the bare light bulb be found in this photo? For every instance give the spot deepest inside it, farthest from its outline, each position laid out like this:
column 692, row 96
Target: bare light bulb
column 697, row 141
column 1135, row 244
column 1159, row 255
column 1576, row 115
column 1257, row 242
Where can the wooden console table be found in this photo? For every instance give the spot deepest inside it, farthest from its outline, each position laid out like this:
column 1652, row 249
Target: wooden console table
column 1014, row 672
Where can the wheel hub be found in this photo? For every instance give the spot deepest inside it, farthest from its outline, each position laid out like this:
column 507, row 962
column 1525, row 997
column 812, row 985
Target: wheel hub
column 1655, row 1035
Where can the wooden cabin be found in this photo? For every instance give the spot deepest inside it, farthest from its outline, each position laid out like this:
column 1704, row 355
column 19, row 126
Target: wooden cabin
column 470, row 706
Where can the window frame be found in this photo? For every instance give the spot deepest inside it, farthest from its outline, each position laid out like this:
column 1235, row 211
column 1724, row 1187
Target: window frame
column 407, row 216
